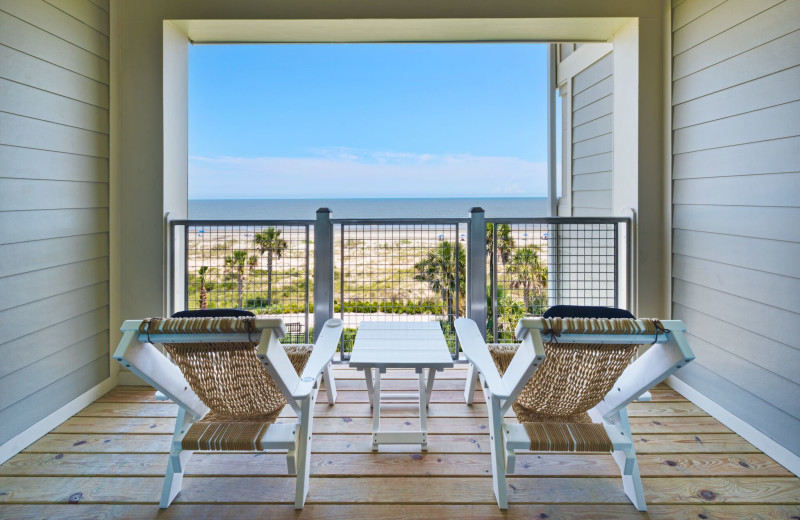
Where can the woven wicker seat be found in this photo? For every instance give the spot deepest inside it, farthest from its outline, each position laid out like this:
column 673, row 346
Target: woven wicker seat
column 568, row 383
column 231, row 379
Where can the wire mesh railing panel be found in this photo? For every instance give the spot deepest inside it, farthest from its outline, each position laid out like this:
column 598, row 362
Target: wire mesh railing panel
column 408, row 272
column 260, row 268
column 535, row 265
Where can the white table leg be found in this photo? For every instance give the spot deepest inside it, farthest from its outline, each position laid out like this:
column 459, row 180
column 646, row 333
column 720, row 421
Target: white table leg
column 423, row 406
column 429, row 389
column 376, row 408
column 368, row 377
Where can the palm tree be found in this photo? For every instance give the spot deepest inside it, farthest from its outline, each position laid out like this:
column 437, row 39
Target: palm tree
column 505, row 242
column 205, row 286
column 270, row 242
column 438, row 269
column 237, row 263
column 529, row 274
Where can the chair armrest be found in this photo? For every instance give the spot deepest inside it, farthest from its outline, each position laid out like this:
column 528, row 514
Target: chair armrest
column 322, row 353
column 475, row 349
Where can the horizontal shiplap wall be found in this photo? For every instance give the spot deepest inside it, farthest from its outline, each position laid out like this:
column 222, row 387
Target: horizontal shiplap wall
column 592, row 107
column 736, row 213
column 54, row 337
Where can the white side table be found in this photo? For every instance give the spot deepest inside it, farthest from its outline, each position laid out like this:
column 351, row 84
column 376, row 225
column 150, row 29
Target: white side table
column 382, row 345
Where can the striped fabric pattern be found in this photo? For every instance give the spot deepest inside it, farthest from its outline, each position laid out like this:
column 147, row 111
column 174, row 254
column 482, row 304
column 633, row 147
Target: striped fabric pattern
column 226, row 436
column 568, row 437
column 197, row 325
column 602, row 326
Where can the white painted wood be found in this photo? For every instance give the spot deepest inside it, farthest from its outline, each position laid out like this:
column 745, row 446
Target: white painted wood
column 771, row 256
column 778, row 189
column 594, row 164
column 85, row 11
column 595, row 73
column 754, row 63
column 18, row 226
column 102, row 4
column 726, row 15
column 29, row 39
column 769, row 289
column 591, row 212
column 26, row 194
column 320, row 359
column 593, row 93
column 597, row 145
column 60, row 24
column 689, row 11
column 474, row 348
column 749, row 221
column 40, row 428
column 592, row 182
column 591, row 199
column 599, row 108
column 27, row 163
column 768, row 91
column 765, row 27
column 20, row 99
column 592, row 129
column 749, row 432
column 579, row 61
column 23, row 68
column 25, row 257
column 32, row 133
column 761, row 125
column 775, row 156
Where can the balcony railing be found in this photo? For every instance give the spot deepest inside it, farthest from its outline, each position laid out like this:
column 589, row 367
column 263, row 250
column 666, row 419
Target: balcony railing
column 492, row 270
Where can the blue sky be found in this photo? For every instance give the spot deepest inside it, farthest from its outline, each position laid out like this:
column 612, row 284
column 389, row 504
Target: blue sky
column 367, row 120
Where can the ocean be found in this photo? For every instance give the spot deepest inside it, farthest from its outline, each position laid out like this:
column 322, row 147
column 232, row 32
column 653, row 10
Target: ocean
column 305, row 209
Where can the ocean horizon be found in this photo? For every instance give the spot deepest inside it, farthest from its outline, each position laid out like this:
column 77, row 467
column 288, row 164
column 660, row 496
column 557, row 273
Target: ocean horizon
column 305, row 209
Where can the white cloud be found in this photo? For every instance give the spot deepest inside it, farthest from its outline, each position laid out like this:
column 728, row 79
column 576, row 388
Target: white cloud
column 342, row 173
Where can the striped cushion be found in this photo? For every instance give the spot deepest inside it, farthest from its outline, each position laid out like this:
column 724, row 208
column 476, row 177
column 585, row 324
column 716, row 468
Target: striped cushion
column 226, row 436
column 570, row 437
column 196, row 325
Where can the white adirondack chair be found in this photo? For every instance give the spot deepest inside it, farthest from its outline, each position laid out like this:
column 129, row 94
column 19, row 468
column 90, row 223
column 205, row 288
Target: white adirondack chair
column 231, row 379
column 551, row 407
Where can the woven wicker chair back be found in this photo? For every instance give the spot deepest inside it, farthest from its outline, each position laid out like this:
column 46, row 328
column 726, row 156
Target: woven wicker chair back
column 573, row 377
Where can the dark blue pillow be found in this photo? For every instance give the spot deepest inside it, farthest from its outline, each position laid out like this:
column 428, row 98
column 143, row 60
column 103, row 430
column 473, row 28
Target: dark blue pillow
column 213, row 313
column 585, row 311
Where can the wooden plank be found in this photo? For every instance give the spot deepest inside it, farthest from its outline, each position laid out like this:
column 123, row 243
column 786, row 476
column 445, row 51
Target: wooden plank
column 765, row 27
column 759, row 61
column 597, row 145
column 61, row 360
column 761, row 125
column 27, row 163
column 28, row 70
column 689, row 11
column 87, row 12
column 592, row 181
column 593, row 74
column 599, row 108
column 26, row 319
column 772, row 256
column 770, row 289
column 28, row 411
column 761, row 319
column 38, row 194
column 595, row 92
column 32, row 133
column 592, row 199
column 779, row 425
column 28, row 287
column 102, row 4
column 27, row 38
column 399, row 373
column 749, row 221
column 26, row 226
column 402, row 511
column 23, row 257
column 777, row 189
column 594, row 164
column 592, row 129
column 57, row 22
column 774, row 156
column 23, row 100
column 727, row 15
column 692, row 443
column 764, row 92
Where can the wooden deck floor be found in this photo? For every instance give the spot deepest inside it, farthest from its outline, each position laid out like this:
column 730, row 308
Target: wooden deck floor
column 108, row 462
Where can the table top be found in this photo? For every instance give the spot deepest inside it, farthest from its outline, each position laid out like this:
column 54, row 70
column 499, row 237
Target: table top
column 400, row 345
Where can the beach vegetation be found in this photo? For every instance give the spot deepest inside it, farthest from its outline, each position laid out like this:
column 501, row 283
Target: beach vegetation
column 271, row 243
column 530, row 275
column 443, row 268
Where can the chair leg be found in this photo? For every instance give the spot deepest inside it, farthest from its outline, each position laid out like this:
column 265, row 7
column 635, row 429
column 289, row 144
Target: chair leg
column 472, row 379
column 498, row 453
column 173, row 480
column 303, row 453
column 628, row 465
column 330, row 384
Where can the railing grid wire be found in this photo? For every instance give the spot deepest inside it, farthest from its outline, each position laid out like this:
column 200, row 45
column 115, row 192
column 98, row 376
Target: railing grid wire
column 260, row 268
